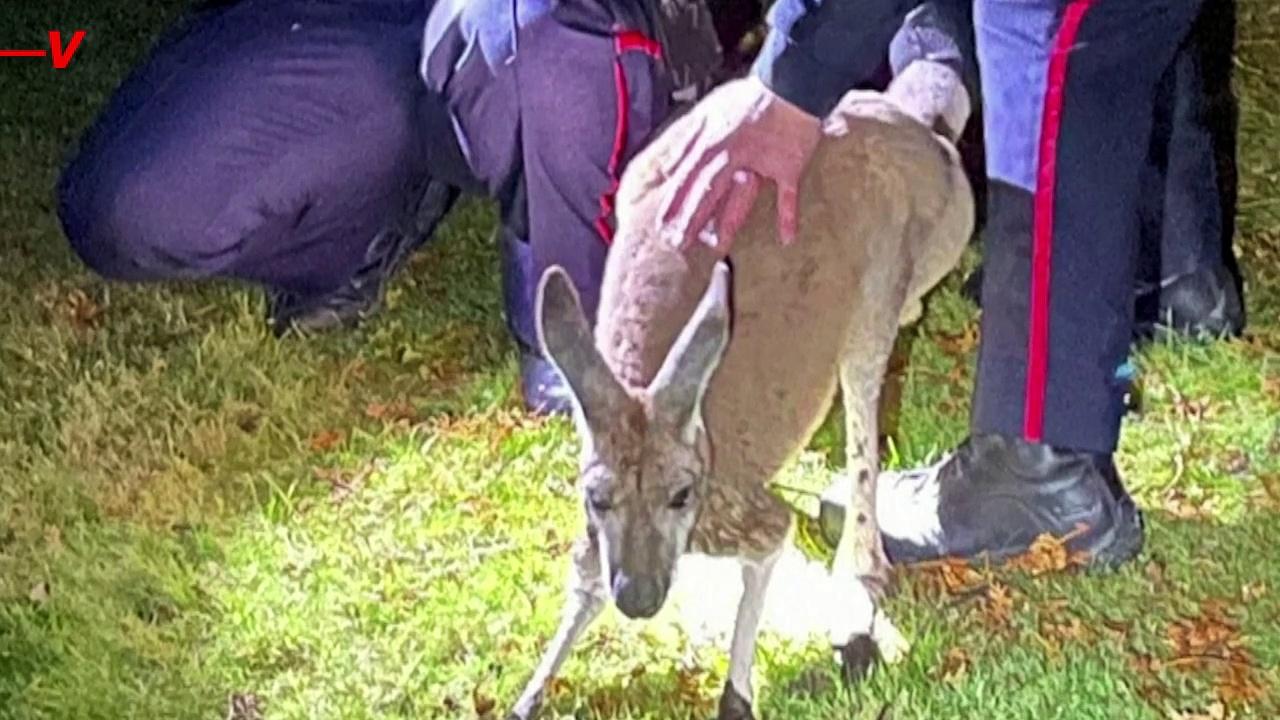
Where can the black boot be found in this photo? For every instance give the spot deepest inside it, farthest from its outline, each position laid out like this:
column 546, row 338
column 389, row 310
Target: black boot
column 1205, row 301
column 544, row 391
column 359, row 297
column 993, row 497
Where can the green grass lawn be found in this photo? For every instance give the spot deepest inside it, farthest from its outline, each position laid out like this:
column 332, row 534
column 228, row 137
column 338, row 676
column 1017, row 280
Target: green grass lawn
column 363, row 525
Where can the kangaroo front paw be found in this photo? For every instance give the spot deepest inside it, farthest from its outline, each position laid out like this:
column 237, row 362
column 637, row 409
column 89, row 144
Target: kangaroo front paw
column 857, row 657
column 733, row 706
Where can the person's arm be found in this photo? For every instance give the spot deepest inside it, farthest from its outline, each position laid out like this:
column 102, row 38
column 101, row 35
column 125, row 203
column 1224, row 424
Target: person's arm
column 817, row 50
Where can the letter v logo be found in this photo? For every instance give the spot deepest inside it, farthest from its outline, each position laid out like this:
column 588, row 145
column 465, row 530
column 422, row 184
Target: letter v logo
column 62, row 56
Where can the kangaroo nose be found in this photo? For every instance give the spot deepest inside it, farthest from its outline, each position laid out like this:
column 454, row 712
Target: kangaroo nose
column 637, row 598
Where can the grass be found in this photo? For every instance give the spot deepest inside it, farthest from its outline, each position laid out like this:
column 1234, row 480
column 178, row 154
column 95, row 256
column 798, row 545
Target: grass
column 195, row 515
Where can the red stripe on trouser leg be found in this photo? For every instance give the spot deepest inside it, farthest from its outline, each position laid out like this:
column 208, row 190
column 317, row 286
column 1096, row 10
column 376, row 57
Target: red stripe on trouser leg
column 625, row 41
column 629, row 40
column 1042, row 230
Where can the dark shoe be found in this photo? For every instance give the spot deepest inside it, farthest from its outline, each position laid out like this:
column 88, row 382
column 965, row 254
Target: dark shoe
column 345, row 307
column 993, row 497
column 1202, row 302
column 545, row 392
column 361, row 295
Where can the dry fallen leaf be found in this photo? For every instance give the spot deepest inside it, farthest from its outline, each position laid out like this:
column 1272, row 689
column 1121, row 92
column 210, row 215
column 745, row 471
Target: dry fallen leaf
column 1239, row 685
column 326, row 440
column 482, row 703
column 1049, row 554
column 955, row 664
column 1212, row 635
column 1193, row 410
column 961, row 344
column 998, row 604
column 397, row 411
column 693, row 691
column 960, row 577
column 82, row 311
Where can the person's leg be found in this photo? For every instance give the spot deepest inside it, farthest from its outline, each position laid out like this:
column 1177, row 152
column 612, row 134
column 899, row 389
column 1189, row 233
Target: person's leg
column 549, row 118
column 1069, row 90
column 589, row 100
column 1188, row 279
column 280, row 143
column 1187, row 235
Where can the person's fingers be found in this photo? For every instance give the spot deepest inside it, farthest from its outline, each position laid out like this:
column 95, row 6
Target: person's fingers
column 672, row 162
column 706, row 188
column 685, row 172
column 737, row 205
column 788, row 222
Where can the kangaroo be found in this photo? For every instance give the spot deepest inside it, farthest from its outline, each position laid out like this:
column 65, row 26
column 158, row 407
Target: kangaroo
column 704, row 376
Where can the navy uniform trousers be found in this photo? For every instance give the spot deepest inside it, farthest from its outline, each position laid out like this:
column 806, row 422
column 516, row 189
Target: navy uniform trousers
column 1189, row 195
column 1070, row 91
column 272, row 141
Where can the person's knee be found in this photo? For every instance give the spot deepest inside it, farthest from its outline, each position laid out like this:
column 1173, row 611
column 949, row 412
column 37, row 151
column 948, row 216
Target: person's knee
column 125, row 223
column 88, row 212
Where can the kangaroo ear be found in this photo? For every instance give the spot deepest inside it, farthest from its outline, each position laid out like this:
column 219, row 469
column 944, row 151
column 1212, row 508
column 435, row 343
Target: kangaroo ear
column 567, row 342
column 685, row 375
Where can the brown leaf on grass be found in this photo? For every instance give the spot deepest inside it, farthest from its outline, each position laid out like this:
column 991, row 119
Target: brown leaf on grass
column 955, row 665
column 1049, row 554
column 325, row 440
column 558, row 686
column 1177, row 504
column 1211, row 635
column 959, row 577
column 998, row 605
column 961, row 344
column 483, row 704
column 1145, row 664
column 1069, row 630
column 1193, row 409
column 1147, row 668
column 81, row 311
column 396, row 411
column 1239, row 685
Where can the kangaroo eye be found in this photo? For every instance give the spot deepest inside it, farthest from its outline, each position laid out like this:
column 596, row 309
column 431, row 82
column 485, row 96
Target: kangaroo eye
column 599, row 502
column 680, row 499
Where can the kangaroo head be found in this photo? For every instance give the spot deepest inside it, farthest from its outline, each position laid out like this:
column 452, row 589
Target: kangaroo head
column 645, row 453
